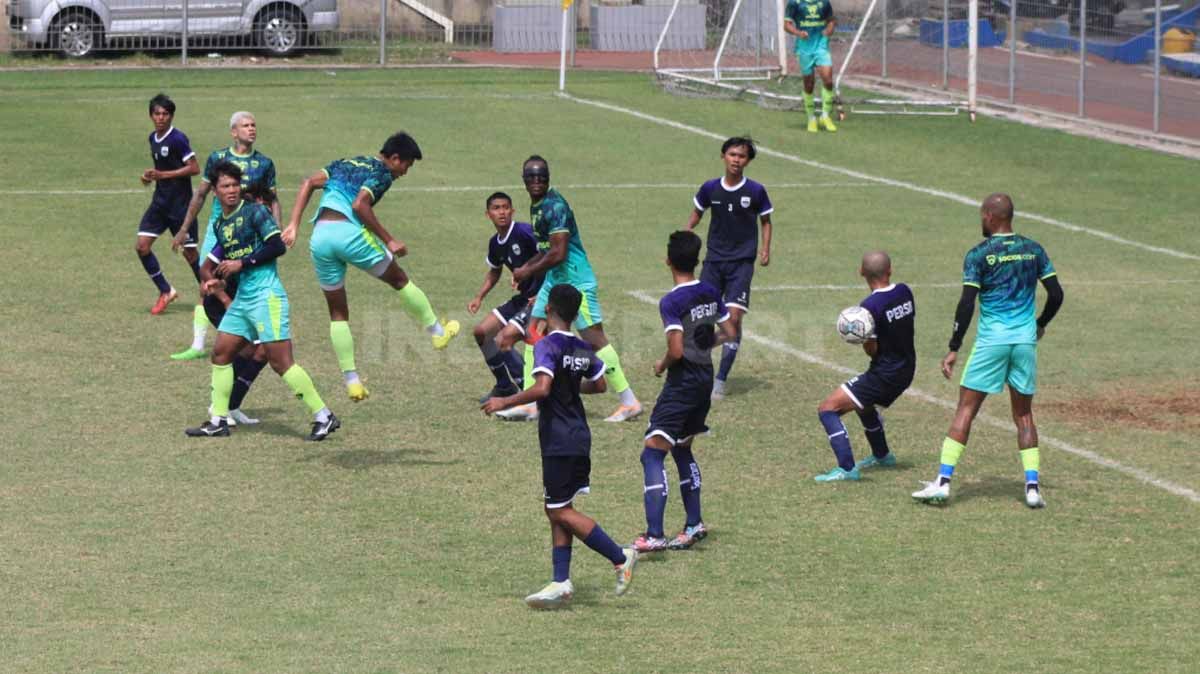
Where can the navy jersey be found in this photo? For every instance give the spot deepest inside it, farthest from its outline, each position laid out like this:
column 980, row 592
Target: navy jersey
column 562, row 424
column 733, row 229
column 895, row 313
column 1006, row 268
column 514, row 249
column 171, row 153
column 693, row 308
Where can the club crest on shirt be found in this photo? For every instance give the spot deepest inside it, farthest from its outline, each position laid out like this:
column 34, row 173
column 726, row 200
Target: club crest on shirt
column 991, row 260
column 516, row 248
column 163, row 150
column 745, row 202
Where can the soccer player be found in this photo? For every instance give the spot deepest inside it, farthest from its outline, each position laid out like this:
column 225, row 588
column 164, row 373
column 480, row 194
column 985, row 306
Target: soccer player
column 893, row 363
column 511, row 246
column 347, row 230
column 258, row 176
column 562, row 259
column 1003, row 271
column 812, row 22
column 690, row 313
column 736, row 201
column 247, row 244
column 174, row 166
column 564, row 367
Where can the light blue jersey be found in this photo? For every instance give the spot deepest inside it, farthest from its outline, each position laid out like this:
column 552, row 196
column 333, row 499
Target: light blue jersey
column 552, row 215
column 1006, row 268
column 348, row 177
column 238, row 235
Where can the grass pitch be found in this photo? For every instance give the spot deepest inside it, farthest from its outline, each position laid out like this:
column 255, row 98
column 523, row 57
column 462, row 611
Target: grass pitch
column 405, row 543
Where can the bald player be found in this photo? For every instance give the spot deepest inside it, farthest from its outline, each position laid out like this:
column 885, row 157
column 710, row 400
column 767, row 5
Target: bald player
column 1003, row 271
column 893, row 363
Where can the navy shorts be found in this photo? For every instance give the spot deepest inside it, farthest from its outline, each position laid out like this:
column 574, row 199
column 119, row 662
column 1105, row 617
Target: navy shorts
column 680, row 413
column 158, row 219
column 732, row 278
column 515, row 312
column 873, row 389
column 564, row 478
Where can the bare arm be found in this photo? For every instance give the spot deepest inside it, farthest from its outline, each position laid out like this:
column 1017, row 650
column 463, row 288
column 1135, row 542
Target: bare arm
column 312, row 183
column 871, row 347
column 694, row 219
column 194, row 207
column 728, row 332
column 539, row 390
column 210, row 284
column 830, row 26
column 764, row 255
column 546, row 259
column 276, row 208
column 490, row 279
column 588, row 386
column 365, row 211
column 674, row 352
column 189, row 168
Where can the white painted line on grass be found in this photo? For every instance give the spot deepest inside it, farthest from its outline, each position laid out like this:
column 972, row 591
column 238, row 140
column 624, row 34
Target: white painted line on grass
column 1045, row 440
column 469, row 188
column 950, row 196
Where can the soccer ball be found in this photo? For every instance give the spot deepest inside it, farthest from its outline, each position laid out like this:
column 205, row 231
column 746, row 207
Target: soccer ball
column 855, row 325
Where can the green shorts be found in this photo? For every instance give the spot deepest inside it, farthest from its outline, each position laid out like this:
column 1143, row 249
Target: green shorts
column 263, row 318
column 812, row 53
column 989, row 368
column 335, row 243
column 589, row 307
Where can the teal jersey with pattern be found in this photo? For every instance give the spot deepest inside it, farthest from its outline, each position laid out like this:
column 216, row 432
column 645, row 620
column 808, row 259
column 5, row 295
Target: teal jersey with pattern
column 553, row 215
column 347, row 177
column 238, row 235
column 1006, row 268
column 811, row 16
column 258, row 171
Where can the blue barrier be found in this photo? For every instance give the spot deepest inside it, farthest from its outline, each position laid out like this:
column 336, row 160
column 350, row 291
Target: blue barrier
column 931, row 33
column 1136, row 49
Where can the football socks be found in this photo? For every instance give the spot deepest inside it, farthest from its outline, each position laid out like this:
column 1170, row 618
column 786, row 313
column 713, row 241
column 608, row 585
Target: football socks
column 872, row 422
column 222, row 388
column 951, row 451
column 1030, row 461
column 245, row 371
column 603, row 544
column 199, row 327
column 343, row 344
column 809, row 107
column 301, row 384
column 150, row 264
column 838, row 440
column 417, row 306
column 561, row 558
column 729, row 352
column 614, row 373
column 826, row 102
column 654, row 489
column 689, row 482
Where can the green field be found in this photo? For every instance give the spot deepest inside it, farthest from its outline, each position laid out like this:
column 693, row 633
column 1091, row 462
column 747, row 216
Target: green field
column 406, row 542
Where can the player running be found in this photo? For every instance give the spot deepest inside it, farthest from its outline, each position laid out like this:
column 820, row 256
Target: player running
column 562, row 259
column 893, row 364
column 258, row 176
column 565, row 366
column 812, row 22
column 1003, row 271
column 347, row 230
column 736, row 201
column 174, row 166
column 511, row 246
column 247, row 243
column 690, row 312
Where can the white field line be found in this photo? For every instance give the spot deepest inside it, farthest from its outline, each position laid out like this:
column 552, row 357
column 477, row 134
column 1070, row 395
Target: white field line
column 1045, row 440
column 858, row 175
column 467, row 188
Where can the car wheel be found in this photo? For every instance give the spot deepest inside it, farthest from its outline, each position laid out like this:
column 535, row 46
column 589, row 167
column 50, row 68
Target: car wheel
column 280, row 31
column 76, row 33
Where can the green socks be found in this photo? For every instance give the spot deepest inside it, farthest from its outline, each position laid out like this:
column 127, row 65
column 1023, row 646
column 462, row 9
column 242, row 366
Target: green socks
column 826, row 102
column 222, row 388
column 417, row 305
column 300, row 383
column 527, row 373
column 808, row 104
column 951, row 451
column 343, row 344
column 612, row 368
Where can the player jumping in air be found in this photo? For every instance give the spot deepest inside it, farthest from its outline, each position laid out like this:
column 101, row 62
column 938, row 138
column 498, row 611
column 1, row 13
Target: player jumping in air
column 812, row 22
column 1003, row 271
column 736, row 202
column 174, row 166
column 562, row 259
column 348, row 231
column 258, row 176
column 893, row 363
column 690, row 312
column 564, row 367
column 247, row 243
column 511, row 246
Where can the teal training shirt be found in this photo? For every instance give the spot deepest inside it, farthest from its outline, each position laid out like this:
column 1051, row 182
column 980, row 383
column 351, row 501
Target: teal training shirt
column 348, row 177
column 811, row 16
column 238, row 235
column 1006, row 268
column 553, row 215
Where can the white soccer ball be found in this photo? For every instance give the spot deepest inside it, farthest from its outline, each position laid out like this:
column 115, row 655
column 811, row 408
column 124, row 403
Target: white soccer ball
column 855, row 325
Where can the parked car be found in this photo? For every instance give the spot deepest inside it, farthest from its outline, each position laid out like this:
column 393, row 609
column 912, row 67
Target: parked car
column 79, row 27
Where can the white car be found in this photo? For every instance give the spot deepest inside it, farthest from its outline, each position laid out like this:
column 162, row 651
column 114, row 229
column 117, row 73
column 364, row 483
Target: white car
column 79, row 27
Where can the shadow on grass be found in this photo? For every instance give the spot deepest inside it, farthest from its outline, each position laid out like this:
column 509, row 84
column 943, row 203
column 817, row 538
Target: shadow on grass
column 739, row 385
column 992, row 488
column 366, row 459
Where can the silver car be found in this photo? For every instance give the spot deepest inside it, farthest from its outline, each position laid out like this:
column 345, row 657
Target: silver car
column 79, row 27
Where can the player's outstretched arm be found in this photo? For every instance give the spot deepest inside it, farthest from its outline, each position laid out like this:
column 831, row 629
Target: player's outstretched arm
column 547, row 259
column 312, row 183
column 764, row 255
column 490, row 279
column 539, row 390
column 1054, row 300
